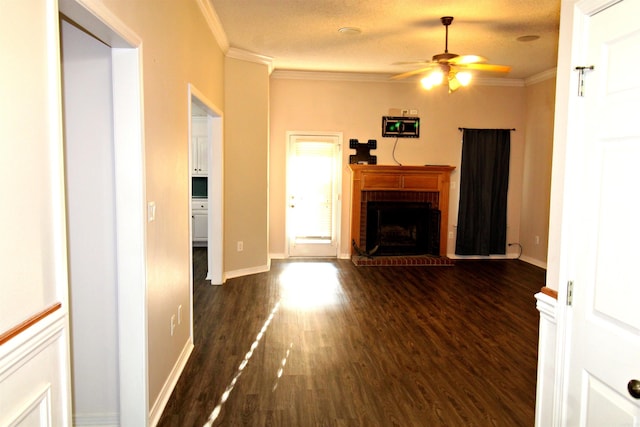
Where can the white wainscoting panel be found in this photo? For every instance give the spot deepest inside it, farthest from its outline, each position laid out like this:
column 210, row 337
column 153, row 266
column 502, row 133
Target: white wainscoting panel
column 34, row 386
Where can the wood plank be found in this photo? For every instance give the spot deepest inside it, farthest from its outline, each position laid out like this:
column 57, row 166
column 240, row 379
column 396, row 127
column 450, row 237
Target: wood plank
column 363, row 346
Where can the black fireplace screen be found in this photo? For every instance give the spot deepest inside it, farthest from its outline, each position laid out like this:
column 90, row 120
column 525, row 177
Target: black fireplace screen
column 402, row 228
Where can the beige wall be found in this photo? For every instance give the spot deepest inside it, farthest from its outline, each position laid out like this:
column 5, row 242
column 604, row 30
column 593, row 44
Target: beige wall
column 33, row 364
column 356, row 108
column 31, row 218
column 246, row 144
column 534, row 221
column 177, row 49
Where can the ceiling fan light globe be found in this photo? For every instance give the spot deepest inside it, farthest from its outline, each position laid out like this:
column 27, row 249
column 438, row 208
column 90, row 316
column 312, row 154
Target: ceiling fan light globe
column 464, row 78
column 454, row 84
column 436, row 77
column 426, row 83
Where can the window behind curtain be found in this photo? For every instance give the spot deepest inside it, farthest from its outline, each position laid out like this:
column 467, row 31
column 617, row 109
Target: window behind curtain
column 484, row 179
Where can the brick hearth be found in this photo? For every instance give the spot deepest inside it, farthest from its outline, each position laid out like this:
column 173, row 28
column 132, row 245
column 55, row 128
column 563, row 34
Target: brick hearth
column 395, row 261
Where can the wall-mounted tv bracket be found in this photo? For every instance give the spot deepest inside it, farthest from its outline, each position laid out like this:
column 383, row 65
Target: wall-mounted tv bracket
column 363, row 152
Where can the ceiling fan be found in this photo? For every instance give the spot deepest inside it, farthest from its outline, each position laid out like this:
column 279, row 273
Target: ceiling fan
column 455, row 68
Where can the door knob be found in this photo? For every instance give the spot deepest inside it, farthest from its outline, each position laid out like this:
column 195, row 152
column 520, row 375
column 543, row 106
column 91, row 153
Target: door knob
column 634, row 388
column 292, row 206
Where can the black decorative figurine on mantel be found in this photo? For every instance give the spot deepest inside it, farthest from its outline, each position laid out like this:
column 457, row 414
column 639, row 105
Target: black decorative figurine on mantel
column 363, row 152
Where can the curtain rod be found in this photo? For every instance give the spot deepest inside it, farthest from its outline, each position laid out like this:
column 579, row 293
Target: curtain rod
column 461, row 129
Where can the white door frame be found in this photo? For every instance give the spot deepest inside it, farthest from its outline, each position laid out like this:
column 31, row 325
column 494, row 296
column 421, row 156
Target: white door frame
column 130, row 194
column 215, row 185
column 337, row 205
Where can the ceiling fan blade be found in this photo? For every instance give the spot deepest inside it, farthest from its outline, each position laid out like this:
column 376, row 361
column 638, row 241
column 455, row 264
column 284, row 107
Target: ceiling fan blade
column 416, row 63
column 467, row 59
column 412, row 73
column 486, row 67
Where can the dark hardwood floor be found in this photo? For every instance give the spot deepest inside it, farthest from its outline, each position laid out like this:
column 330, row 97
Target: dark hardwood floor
column 325, row 343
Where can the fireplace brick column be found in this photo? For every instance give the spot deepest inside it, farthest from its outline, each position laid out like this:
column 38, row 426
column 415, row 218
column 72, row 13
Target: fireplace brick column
column 433, row 180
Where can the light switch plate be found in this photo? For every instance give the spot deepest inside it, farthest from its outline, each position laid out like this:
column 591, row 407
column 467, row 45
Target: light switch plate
column 151, row 211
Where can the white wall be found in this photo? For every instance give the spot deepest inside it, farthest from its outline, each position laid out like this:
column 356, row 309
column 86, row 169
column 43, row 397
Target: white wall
column 88, row 126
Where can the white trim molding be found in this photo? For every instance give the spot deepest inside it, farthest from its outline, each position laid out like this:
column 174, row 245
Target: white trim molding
column 213, row 21
column 378, row 78
column 248, row 271
column 163, row 397
column 244, row 55
column 546, row 305
column 540, row 77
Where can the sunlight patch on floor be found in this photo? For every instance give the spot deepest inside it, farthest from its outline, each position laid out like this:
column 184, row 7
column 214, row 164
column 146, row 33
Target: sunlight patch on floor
column 310, row 286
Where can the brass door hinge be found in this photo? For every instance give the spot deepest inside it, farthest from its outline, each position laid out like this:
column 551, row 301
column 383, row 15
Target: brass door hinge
column 570, row 292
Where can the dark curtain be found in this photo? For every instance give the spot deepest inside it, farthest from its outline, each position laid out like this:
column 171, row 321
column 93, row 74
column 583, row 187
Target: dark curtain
column 484, row 179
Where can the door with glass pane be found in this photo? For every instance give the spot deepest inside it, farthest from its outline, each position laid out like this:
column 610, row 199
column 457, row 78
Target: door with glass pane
column 313, row 183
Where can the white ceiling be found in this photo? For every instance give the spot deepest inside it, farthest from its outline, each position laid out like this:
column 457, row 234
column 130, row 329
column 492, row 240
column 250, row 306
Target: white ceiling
column 303, row 34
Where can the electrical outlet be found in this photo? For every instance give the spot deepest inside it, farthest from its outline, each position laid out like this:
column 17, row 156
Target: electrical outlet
column 537, row 240
column 240, row 245
column 173, row 323
column 180, row 314
column 451, row 234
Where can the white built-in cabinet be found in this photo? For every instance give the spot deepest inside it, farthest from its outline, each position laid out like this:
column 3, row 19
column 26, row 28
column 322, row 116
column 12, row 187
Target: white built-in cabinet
column 199, row 214
column 199, row 147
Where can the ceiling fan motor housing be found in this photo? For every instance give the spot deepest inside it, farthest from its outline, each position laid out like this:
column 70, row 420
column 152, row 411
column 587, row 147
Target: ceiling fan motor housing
column 446, row 20
column 444, row 57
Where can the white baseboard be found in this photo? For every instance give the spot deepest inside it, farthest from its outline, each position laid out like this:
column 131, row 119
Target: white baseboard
column 463, row 257
column 248, row 271
column 170, row 383
column 97, row 420
column 284, row 256
column 524, row 258
column 534, row 261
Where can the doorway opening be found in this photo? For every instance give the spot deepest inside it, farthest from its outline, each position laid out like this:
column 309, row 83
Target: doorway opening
column 206, row 162
column 313, row 194
column 109, row 206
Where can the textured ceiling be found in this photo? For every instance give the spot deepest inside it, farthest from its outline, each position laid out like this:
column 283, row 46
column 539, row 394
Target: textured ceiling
column 303, row 34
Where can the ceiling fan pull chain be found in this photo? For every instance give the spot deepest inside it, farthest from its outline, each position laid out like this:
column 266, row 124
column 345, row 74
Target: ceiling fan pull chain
column 582, row 71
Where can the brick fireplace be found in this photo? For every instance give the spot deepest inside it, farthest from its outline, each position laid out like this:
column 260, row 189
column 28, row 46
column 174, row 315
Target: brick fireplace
column 401, row 228
column 416, row 191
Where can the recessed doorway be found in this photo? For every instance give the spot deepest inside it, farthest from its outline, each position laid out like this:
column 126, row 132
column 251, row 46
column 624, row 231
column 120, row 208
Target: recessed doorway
column 313, row 194
column 207, row 150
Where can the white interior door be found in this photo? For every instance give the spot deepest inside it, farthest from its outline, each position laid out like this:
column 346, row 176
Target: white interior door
column 605, row 337
column 313, row 183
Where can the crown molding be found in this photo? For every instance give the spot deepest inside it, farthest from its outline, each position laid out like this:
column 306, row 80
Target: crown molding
column 377, row 78
column 540, row 77
column 330, row 75
column 497, row 81
column 244, row 55
column 213, row 21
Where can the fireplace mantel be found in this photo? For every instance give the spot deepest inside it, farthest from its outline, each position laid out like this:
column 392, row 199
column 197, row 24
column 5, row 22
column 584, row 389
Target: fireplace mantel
column 425, row 179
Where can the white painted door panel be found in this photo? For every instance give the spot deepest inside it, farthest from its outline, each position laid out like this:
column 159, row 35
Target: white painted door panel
column 605, row 342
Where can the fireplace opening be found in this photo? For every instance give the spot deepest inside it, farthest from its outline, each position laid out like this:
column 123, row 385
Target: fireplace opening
column 402, row 228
